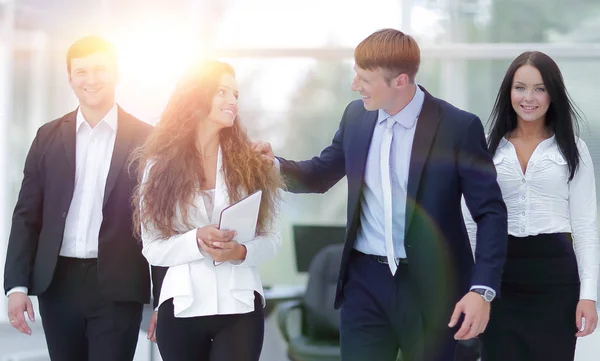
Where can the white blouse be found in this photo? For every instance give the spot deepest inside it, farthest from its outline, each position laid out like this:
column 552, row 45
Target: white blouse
column 197, row 286
column 543, row 201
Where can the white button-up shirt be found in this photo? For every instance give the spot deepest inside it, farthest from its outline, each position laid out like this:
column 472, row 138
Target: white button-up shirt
column 543, row 201
column 93, row 154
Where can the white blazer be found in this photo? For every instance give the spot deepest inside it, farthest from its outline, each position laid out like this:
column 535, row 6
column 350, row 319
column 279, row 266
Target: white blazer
column 197, row 286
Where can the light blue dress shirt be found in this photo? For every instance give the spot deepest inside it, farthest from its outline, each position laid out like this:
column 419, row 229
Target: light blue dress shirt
column 371, row 237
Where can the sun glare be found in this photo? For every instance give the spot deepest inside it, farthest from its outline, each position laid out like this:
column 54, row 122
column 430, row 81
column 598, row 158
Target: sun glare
column 152, row 55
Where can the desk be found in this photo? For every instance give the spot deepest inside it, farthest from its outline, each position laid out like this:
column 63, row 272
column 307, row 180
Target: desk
column 279, row 293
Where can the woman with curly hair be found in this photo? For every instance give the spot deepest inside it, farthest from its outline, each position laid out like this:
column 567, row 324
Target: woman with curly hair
column 198, row 161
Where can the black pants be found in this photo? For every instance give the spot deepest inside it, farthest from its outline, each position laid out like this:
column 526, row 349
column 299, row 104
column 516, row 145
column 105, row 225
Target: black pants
column 380, row 315
column 534, row 320
column 237, row 337
column 79, row 323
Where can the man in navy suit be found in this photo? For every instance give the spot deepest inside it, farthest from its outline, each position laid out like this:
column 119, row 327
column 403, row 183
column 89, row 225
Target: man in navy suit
column 407, row 276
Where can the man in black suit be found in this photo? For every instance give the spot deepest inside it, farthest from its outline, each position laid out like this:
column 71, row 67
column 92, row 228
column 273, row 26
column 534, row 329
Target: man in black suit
column 407, row 274
column 71, row 241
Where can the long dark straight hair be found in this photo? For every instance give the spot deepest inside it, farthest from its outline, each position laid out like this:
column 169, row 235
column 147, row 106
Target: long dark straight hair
column 562, row 117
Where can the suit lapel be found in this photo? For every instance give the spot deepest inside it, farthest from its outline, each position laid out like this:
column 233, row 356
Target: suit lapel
column 427, row 125
column 362, row 141
column 123, row 142
column 68, row 128
column 358, row 152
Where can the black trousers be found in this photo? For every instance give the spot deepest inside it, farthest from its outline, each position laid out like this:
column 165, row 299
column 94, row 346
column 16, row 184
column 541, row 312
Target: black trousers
column 380, row 316
column 79, row 323
column 534, row 320
column 236, row 337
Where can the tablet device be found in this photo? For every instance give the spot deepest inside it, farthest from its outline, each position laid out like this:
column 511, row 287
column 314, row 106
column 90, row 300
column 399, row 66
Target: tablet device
column 242, row 217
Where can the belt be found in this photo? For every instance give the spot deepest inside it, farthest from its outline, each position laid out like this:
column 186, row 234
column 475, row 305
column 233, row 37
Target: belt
column 77, row 261
column 383, row 259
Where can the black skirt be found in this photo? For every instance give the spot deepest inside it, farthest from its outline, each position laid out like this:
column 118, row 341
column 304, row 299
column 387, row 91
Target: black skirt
column 534, row 318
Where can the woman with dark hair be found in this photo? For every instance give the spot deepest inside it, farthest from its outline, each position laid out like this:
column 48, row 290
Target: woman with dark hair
column 549, row 285
column 198, row 161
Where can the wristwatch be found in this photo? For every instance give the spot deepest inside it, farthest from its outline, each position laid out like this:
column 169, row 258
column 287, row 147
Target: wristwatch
column 486, row 294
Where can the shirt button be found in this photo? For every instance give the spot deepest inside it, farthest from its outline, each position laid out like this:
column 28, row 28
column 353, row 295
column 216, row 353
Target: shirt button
column 523, row 198
column 523, row 180
column 523, row 213
column 522, row 230
column 64, row 215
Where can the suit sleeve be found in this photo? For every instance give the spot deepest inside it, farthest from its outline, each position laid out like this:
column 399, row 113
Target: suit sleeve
column 158, row 275
column 318, row 174
column 26, row 222
column 483, row 198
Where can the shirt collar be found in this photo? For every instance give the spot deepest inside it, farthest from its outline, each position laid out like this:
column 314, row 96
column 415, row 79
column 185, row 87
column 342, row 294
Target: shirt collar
column 503, row 142
column 543, row 144
column 110, row 119
column 407, row 117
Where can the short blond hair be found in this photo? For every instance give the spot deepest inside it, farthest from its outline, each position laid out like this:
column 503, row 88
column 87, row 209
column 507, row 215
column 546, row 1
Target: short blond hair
column 391, row 50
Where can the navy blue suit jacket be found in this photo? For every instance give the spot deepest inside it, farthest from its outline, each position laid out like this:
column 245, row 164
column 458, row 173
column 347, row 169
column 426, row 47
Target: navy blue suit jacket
column 449, row 158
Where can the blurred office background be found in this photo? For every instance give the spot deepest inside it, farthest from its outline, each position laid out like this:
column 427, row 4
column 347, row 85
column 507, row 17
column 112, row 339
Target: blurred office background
column 294, row 64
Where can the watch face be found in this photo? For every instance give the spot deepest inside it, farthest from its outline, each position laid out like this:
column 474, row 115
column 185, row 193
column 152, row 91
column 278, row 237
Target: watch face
column 487, row 295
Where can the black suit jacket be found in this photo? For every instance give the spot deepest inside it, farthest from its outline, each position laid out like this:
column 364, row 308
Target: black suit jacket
column 39, row 217
column 449, row 158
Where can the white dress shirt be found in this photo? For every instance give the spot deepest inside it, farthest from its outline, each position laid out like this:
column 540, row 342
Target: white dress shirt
column 197, row 286
column 543, row 201
column 93, row 154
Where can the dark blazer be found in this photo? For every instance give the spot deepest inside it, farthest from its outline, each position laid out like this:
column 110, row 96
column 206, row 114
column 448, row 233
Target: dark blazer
column 39, row 217
column 449, row 158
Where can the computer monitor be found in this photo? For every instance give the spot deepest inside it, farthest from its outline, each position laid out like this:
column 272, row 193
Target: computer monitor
column 310, row 239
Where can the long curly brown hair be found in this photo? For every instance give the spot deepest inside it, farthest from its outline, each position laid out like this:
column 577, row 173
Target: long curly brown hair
column 176, row 174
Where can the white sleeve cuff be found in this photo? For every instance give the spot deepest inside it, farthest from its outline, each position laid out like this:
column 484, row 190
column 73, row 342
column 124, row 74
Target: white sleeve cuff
column 17, row 289
column 249, row 261
column 176, row 250
column 589, row 290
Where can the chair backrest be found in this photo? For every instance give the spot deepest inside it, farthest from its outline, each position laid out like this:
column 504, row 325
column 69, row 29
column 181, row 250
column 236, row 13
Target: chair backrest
column 309, row 239
column 321, row 320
